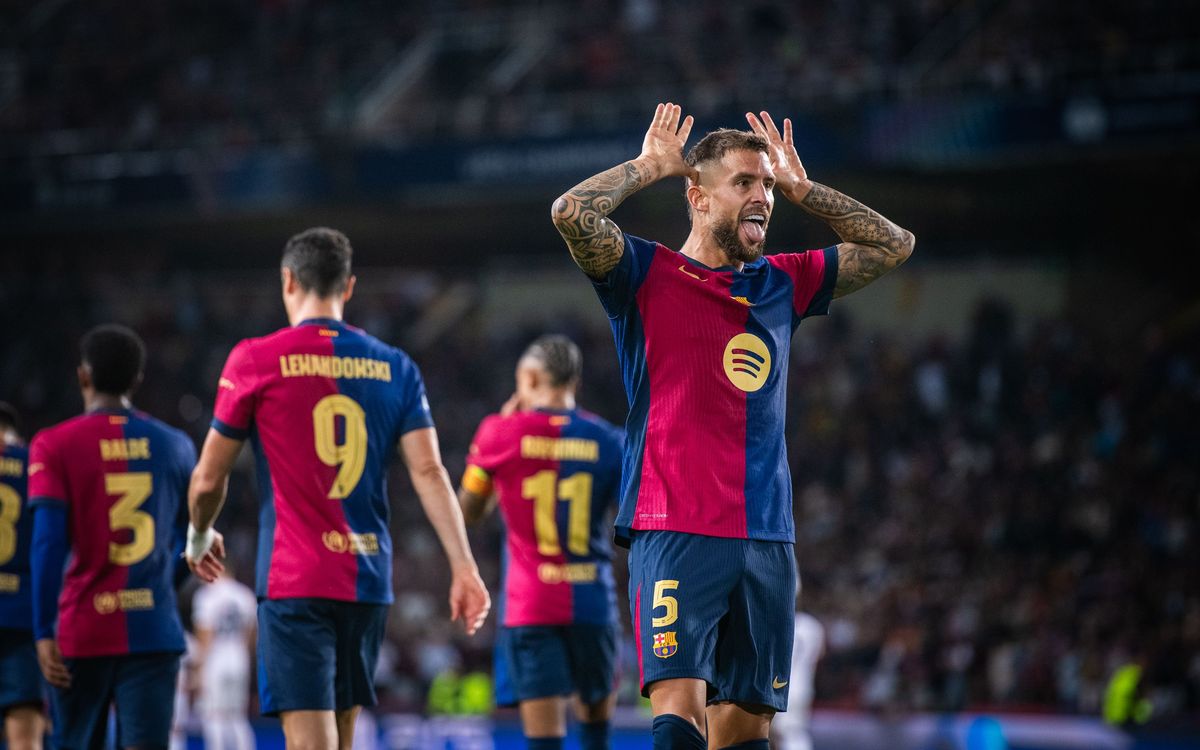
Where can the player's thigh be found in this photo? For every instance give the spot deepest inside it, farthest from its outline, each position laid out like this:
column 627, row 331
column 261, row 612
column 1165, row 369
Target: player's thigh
column 21, row 681
column 732, row 724
column 679, row 587
column 592, row 651
column 360, row 630
column 754, row 649
column 536, row 660
column 144, row 692
column 79, row 714
column 297, row 655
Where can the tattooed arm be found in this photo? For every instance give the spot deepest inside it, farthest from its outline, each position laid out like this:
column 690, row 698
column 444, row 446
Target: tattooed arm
column 871, row 244
column 581, row 213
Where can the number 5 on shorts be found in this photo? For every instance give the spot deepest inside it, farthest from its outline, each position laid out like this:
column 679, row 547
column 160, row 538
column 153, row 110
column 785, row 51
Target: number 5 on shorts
column 669, row 603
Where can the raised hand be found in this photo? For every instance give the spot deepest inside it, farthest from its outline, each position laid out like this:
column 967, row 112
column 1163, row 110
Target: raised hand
column 790, row 174
column 663, row 145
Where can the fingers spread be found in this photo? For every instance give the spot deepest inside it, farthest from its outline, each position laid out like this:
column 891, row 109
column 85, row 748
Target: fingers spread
column 787, row 131
column 686, row 129
column 755, row 125
column 772, row 131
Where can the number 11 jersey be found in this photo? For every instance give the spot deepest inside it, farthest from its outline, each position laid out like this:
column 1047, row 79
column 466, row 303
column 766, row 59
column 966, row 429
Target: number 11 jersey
column 556, row 475
column 324, row 404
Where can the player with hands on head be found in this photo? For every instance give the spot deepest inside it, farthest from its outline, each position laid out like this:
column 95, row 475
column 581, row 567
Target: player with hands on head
column 703, row 336
column 108, row 492
column 555, row 470
column 325, row 406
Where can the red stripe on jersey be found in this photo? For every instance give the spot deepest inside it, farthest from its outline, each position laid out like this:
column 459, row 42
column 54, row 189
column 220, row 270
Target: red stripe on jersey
column 695, row 442
column 90, row 622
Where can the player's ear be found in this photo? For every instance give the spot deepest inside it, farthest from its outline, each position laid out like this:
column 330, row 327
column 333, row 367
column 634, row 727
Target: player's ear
column 288, row 280
column 346, row 295
column 697, row 196
column 84, row 375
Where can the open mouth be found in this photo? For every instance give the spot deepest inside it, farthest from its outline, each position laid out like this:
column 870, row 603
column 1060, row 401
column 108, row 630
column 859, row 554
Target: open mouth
column 754, row 227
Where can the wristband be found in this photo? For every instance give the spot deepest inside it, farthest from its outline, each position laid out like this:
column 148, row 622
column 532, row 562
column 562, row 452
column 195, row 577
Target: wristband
column 198, row 543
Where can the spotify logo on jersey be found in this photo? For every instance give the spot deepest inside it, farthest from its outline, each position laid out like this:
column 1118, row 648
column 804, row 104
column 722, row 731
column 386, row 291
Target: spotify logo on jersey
column 747, row 362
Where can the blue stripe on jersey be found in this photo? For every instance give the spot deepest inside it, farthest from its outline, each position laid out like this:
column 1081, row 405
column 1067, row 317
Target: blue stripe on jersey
column 594, row 602
column 631, row 339
column 763, row 447
column 366, row 508
column 16, row 611
column 158, row 629
column 266, row 514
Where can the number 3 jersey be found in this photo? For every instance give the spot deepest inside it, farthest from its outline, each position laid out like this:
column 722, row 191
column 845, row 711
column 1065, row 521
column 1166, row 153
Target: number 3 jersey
column 122, row 477
column 556, row 474
column 324, row 405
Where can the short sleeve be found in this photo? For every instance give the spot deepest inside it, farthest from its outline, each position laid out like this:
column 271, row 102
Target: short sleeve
column 415, row 414
column 813, row 274
column 619, row 288
column 47, row 481
column 236, row 394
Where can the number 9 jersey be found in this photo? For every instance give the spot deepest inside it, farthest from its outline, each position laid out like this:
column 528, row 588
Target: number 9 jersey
column 556, row 474
column 324, row 405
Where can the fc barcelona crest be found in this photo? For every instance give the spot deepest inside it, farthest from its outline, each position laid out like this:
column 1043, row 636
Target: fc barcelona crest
column 665, row 644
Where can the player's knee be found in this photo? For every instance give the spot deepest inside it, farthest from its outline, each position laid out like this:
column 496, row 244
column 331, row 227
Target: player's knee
column 23, row 728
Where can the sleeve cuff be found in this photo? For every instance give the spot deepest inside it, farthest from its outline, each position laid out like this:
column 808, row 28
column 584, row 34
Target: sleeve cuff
column 819, row 304
column 416, row 423
column 52, row 502
column 229, row 431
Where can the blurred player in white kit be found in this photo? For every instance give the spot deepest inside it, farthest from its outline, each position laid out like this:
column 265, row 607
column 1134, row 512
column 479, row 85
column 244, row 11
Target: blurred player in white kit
column 791, row 727
column 225, row 618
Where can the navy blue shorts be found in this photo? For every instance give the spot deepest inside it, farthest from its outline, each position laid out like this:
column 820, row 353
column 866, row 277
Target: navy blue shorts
column 317, row 654
column 20, row 677
column 141, row 685
column 721, row 610
column 539, row 661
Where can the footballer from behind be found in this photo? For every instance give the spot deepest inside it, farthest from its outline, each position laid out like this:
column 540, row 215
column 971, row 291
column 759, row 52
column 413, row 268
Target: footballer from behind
column 22, row 699
column 325, row 406
column 108, row 490
column 554, row 469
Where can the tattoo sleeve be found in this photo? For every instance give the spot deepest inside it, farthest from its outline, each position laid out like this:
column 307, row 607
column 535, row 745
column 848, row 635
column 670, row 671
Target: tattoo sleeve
column 581, row 217
column 871, row 245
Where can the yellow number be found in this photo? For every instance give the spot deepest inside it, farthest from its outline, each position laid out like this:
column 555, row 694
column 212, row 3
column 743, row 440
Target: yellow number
column 133, row 489
column 10, row 512
column 669, row 603
column 350, row 456
column 544, row 491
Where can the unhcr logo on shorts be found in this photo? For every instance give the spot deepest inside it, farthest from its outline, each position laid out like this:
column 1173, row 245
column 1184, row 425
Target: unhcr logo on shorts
column 747, row 362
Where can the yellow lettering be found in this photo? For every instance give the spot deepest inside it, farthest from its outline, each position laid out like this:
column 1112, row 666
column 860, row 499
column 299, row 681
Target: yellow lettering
column 9, row 583
column 363, row 368
column 560, row 449
column 11, row 467
column 116, row 449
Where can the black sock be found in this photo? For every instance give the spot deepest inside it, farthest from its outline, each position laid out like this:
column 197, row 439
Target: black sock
column 544, row 743
column 594, row 735
column 673, row 732
column 750, row 745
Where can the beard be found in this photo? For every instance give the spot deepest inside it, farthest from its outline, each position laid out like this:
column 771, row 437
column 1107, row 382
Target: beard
column 730, row 241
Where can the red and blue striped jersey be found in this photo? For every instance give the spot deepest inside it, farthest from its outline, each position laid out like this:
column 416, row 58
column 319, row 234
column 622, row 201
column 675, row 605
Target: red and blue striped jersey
column 556, row 475
column 324, row 405
column 15, row 530
column 122, row 477
column 704, row 355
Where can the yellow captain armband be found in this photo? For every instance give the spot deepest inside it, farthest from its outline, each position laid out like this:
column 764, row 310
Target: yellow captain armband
column 477, row 481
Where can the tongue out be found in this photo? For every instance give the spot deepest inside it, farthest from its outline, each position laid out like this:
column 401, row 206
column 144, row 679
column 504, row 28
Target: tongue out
column 754, row 232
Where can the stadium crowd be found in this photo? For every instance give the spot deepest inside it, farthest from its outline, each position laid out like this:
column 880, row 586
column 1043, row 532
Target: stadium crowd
column 136, row 75
column 996, row 521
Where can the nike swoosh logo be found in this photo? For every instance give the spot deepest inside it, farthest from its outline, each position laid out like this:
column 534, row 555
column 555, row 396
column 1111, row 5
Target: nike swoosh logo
column 777, row 684
column 689, row 273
